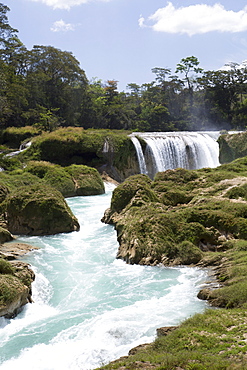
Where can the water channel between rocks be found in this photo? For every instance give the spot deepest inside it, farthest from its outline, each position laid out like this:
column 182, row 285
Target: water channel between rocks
column 89, row 307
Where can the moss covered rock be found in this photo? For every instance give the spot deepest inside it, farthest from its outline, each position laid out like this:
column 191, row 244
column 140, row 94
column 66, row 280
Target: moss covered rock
column 54, row 175
column 232, row 147
column 87, row 180
column 14, row 136
column 107, row 150
column 36, row 210
column 14, row 179
column 70, row 181
column 15, row 287
column 5, row 235
column 3, row 192
column 179, row 215
column 123, row 194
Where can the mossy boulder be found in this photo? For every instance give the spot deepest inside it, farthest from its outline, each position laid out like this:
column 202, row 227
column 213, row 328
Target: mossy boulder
column 15, row 287
column 70, row 181
column 38, row 210
column 180, row 215
column 232, row 147
column 123, row 194
column 14, row 136
column 107, row 150
column 188, row 253
column 87, row 180
column 12, row 180
column 5, row 235
column 54, row 175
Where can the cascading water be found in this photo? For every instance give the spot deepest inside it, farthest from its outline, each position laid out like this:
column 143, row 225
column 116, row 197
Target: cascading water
column 90, row 308
column 140, row 156
column 170, row 150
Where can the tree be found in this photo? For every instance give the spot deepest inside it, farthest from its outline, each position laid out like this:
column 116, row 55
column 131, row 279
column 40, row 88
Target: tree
column 220, row 95
column 7, row 33
column 187, row 66
column 56, row 81
column 161, row 74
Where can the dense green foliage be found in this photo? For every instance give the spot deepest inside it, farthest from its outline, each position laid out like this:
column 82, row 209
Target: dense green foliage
column 46, row 88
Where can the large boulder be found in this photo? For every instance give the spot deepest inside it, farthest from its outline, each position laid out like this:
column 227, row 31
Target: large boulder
column 232, row 146
column 87, row 180
column 15, row 287
column 5, row 235
column 53, row 175
column 38, row 210
column 70, row 181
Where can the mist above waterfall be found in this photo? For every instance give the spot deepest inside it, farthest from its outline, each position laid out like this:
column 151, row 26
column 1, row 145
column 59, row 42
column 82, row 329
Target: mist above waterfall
column 170, row 150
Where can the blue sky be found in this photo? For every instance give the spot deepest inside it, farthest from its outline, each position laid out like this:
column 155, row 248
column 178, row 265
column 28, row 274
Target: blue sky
column 124, row 39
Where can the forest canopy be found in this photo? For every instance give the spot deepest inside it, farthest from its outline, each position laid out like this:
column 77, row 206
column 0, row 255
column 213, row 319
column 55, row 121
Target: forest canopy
column 45, row 87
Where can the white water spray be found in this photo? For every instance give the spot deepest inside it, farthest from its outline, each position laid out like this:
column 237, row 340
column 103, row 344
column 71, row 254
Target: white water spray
column 89, row 307
column 140, row 156
column 170, row 150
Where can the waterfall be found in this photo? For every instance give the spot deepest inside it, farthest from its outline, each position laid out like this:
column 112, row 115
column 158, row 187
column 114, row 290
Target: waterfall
column 23, row 146
column 170, row 150
column 140, row 156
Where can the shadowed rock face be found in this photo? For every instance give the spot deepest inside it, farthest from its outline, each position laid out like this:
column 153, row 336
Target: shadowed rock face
column 232, row 147
column 36, row 210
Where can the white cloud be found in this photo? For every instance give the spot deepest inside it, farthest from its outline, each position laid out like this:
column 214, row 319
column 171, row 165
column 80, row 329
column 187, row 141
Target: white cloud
column 64, row 4
column 141, row 21
column 61, row 26
column 196, row 19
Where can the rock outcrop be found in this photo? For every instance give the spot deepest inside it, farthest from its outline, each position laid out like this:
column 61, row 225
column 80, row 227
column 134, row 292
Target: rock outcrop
column 5, row 235
column 180, row 215
column 15, row 287
column 14, row 250
column 87, row 180
column 107, row 150
column 70, row 181
column 38, row 210
column 232, row 146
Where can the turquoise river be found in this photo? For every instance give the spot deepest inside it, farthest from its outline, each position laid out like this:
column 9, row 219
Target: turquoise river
column 90, row 308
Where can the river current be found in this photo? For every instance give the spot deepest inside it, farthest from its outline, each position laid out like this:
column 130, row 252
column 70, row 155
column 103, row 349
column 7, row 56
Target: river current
column 90, row 308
